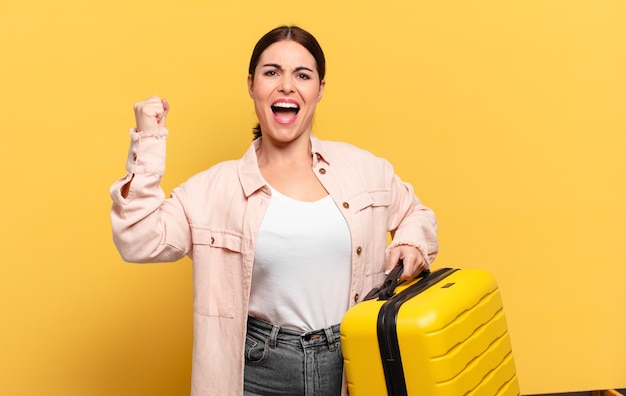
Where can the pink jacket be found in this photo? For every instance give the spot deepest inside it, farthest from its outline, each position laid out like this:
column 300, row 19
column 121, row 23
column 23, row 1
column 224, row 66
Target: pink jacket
column 214, row 217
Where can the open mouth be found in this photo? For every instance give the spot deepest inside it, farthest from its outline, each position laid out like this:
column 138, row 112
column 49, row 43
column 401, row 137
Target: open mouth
column 285, row 111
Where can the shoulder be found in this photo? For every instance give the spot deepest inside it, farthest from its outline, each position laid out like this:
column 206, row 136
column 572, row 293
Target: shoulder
column 222, row 171
column 339, row 152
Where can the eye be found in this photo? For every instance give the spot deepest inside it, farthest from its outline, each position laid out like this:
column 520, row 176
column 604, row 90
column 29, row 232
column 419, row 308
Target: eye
column 270, row 73
column 303, row 76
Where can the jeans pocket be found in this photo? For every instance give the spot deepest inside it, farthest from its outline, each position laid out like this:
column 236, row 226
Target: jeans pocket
column 256, row 351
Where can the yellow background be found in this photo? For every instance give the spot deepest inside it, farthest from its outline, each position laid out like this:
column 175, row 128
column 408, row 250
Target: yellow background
column 507, row 116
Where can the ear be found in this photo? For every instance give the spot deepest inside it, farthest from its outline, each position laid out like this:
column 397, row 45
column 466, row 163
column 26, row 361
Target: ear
column 321, row 91
column 250, row 85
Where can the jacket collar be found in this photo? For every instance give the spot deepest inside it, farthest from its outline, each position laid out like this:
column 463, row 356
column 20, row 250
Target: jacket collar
column 318, row 151
column 248, row 168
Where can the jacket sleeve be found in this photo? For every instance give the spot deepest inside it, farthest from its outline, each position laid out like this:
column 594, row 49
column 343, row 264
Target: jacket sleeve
column 147, row 227
column 410, row 222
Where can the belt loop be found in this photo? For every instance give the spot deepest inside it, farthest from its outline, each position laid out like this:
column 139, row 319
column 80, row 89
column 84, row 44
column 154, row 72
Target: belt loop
column 274, row 336
column 330, row 339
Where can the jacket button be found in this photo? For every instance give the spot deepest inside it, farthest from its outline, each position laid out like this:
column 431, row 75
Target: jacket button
column 359, row 250
column 212, row 240
column 134, row 157
column 322, row 171
column 356, row 297
column 346, row 205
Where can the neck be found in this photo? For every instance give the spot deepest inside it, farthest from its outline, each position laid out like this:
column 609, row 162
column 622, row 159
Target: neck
column 288, row 154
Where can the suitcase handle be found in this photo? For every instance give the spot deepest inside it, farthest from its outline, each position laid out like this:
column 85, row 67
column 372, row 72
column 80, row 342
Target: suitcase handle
column 387, row 289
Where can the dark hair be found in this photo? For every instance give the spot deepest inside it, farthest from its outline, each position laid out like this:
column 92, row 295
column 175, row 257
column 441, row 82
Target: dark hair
column 293, row 33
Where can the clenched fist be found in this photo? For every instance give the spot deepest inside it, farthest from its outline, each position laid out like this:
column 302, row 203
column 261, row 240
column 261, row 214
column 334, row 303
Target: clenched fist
column 150, row 114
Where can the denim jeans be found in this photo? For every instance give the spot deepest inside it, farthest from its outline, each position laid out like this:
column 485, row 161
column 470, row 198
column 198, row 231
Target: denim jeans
column 281, row 361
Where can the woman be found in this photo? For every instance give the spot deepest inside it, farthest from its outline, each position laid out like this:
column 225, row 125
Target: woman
column 283, row 240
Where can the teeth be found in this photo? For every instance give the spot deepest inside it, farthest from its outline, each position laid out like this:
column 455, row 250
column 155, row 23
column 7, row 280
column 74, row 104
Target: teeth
column 283, row 105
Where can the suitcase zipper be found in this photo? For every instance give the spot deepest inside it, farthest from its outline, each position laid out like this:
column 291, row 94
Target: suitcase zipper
column 388, row 336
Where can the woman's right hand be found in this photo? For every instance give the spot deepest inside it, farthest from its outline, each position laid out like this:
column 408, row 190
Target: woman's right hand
column 151, row 113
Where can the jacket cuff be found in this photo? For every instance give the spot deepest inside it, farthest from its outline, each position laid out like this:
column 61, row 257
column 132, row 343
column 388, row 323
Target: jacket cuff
column 146, row 154
column 421, row 249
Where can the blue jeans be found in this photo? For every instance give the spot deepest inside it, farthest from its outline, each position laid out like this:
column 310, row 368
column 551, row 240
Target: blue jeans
column 281, row 361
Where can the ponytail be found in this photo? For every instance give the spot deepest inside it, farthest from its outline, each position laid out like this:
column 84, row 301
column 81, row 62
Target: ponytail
column 256, row 131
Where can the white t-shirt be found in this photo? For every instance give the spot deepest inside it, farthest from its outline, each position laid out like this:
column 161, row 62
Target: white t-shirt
column 301, row 273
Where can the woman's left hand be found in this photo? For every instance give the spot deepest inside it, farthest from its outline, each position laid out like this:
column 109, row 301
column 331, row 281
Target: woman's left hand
column 411, row 257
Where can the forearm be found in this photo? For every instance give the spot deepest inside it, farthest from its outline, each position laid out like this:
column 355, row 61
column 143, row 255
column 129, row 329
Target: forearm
column 418, row 229
column 140, row 214
column 411, row 222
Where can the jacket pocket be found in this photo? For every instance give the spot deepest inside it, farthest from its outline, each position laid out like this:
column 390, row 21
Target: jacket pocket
column 217, row 261
column 369, row 220
column 371, row 199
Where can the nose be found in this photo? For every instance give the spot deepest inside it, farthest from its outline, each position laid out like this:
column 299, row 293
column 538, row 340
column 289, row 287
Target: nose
column 286, row 84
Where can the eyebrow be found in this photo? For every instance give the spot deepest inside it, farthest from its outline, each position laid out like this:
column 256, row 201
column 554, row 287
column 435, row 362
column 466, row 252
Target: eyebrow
column 276, row 65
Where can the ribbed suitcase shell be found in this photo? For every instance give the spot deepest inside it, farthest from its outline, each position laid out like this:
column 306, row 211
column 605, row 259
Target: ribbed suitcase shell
column 452, row 339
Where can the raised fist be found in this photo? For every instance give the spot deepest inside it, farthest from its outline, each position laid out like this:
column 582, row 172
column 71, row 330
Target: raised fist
column 150, row 114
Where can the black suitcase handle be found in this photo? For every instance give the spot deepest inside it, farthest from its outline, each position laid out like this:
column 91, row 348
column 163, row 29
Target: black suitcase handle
column 387, row 289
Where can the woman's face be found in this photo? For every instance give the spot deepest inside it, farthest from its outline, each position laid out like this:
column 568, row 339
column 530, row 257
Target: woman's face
column 285, row 89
